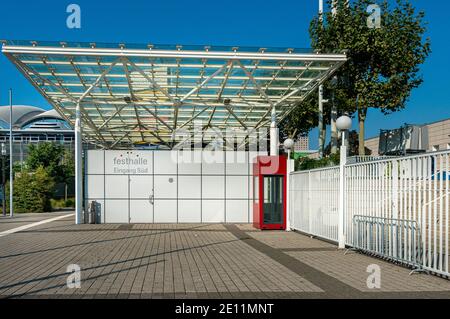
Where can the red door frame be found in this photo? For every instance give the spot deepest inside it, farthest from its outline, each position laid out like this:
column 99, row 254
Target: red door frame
column 269, row 166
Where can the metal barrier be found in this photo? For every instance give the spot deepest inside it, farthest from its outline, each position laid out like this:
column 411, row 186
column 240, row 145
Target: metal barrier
column 413, row 189
column 397, row 240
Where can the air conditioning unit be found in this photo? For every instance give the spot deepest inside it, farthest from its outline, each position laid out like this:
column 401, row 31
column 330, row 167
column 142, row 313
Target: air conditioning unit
column 408, row 139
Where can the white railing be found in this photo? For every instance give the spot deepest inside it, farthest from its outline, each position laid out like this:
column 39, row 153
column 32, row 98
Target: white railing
column 366, row 158
column 314, row 202
column 413, row 190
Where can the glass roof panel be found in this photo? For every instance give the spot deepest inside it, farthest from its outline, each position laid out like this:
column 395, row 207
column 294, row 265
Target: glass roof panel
column 145, row 92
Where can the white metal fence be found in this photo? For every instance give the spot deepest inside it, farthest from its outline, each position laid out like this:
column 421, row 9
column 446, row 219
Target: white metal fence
column 314, row 202
column 396, row 207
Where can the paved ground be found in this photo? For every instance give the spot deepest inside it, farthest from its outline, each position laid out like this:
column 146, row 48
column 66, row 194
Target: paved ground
column 190, row 261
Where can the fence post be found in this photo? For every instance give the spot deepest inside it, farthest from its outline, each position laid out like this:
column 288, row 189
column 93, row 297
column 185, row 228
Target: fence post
column 309, row 204
column 290, row 169
column 395, row 204
column 341, row 222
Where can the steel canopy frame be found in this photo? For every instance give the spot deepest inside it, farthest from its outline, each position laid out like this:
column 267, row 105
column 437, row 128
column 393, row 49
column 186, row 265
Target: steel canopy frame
column 144, row 93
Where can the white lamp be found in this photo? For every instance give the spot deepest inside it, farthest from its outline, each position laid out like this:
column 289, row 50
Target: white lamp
column 288, row 144
column 343, row 124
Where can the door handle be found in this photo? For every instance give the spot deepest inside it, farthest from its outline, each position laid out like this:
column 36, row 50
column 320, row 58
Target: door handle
column 151, row 199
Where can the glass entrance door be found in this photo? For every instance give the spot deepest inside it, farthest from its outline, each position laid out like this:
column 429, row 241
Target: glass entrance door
column 273, row 199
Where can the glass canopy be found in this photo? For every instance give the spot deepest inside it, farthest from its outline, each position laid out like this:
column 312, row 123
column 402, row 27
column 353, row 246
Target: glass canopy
column 145, row 94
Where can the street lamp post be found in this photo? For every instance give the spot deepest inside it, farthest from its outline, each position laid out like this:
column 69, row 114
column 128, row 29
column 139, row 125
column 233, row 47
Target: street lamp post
column 3, row 180
column 343, row 124
column 11, row 176
column 288, row 146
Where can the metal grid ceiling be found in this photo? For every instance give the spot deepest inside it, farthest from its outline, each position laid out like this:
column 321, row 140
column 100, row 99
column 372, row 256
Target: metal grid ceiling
column 131, row 94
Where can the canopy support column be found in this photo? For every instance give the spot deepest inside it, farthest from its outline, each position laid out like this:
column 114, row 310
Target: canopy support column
column 274, row 134
column 78, row 168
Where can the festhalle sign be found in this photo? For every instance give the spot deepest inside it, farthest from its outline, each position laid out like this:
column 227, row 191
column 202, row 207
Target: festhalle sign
column 127, row 165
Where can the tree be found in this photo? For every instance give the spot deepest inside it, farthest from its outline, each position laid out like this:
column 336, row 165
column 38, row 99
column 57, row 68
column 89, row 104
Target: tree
column 353, row 145
column 32, row 191
column 301, row 120
column 383, row 63
column 50, row 156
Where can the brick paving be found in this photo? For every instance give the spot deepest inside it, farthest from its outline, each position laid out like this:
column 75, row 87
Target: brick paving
column 192, row 261
column 7, row 223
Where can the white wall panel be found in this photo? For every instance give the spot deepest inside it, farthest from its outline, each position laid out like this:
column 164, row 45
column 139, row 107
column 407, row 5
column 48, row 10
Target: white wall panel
column 251, row 159
column 237, row 187
column 189, row 187
column 189, row 211
column 141, row 211
column 116, row 186
column 190, row 191
column 213, row 163
column 95, row 186
column 165, row 211
column 237, row 163
column 141, row 162
column 116, row 211
column 189, row 163
column 213, row 187
column 141, row 186
column 95, row 162
column 250, row 186
column 165, row 186
column 115, row 162
column 213, row 211
column 250, row 211
column 165, row 162
column 237, row 211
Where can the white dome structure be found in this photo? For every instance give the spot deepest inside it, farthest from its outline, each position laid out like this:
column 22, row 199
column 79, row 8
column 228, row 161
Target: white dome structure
column 26, row 115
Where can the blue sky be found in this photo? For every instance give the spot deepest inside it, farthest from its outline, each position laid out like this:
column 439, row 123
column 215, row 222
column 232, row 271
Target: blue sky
column 281, row 23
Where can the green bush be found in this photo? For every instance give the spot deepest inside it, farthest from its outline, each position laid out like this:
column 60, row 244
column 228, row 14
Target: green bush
column 61, row 203
column 306, row 163
column 32, row 191
column 69, row 203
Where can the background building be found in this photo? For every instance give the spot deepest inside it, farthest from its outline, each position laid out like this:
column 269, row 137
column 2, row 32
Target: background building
column 33, row 125
column 438, row 137
column 302, row 144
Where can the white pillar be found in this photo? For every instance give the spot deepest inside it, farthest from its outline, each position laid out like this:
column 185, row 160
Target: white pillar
column 290, row 168
column 78, row 169
column 341, row 222
column 274, row 134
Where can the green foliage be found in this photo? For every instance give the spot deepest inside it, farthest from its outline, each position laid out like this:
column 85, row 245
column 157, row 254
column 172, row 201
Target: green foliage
column 383, row 64
column 59, row 163
column 32, row 191
column 301, row 120
column 306, row 163
column 353, row 145
column 61, row 203
column 34, row 185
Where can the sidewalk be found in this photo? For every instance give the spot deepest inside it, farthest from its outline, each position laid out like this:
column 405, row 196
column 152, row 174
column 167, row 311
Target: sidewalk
column 193, row 261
